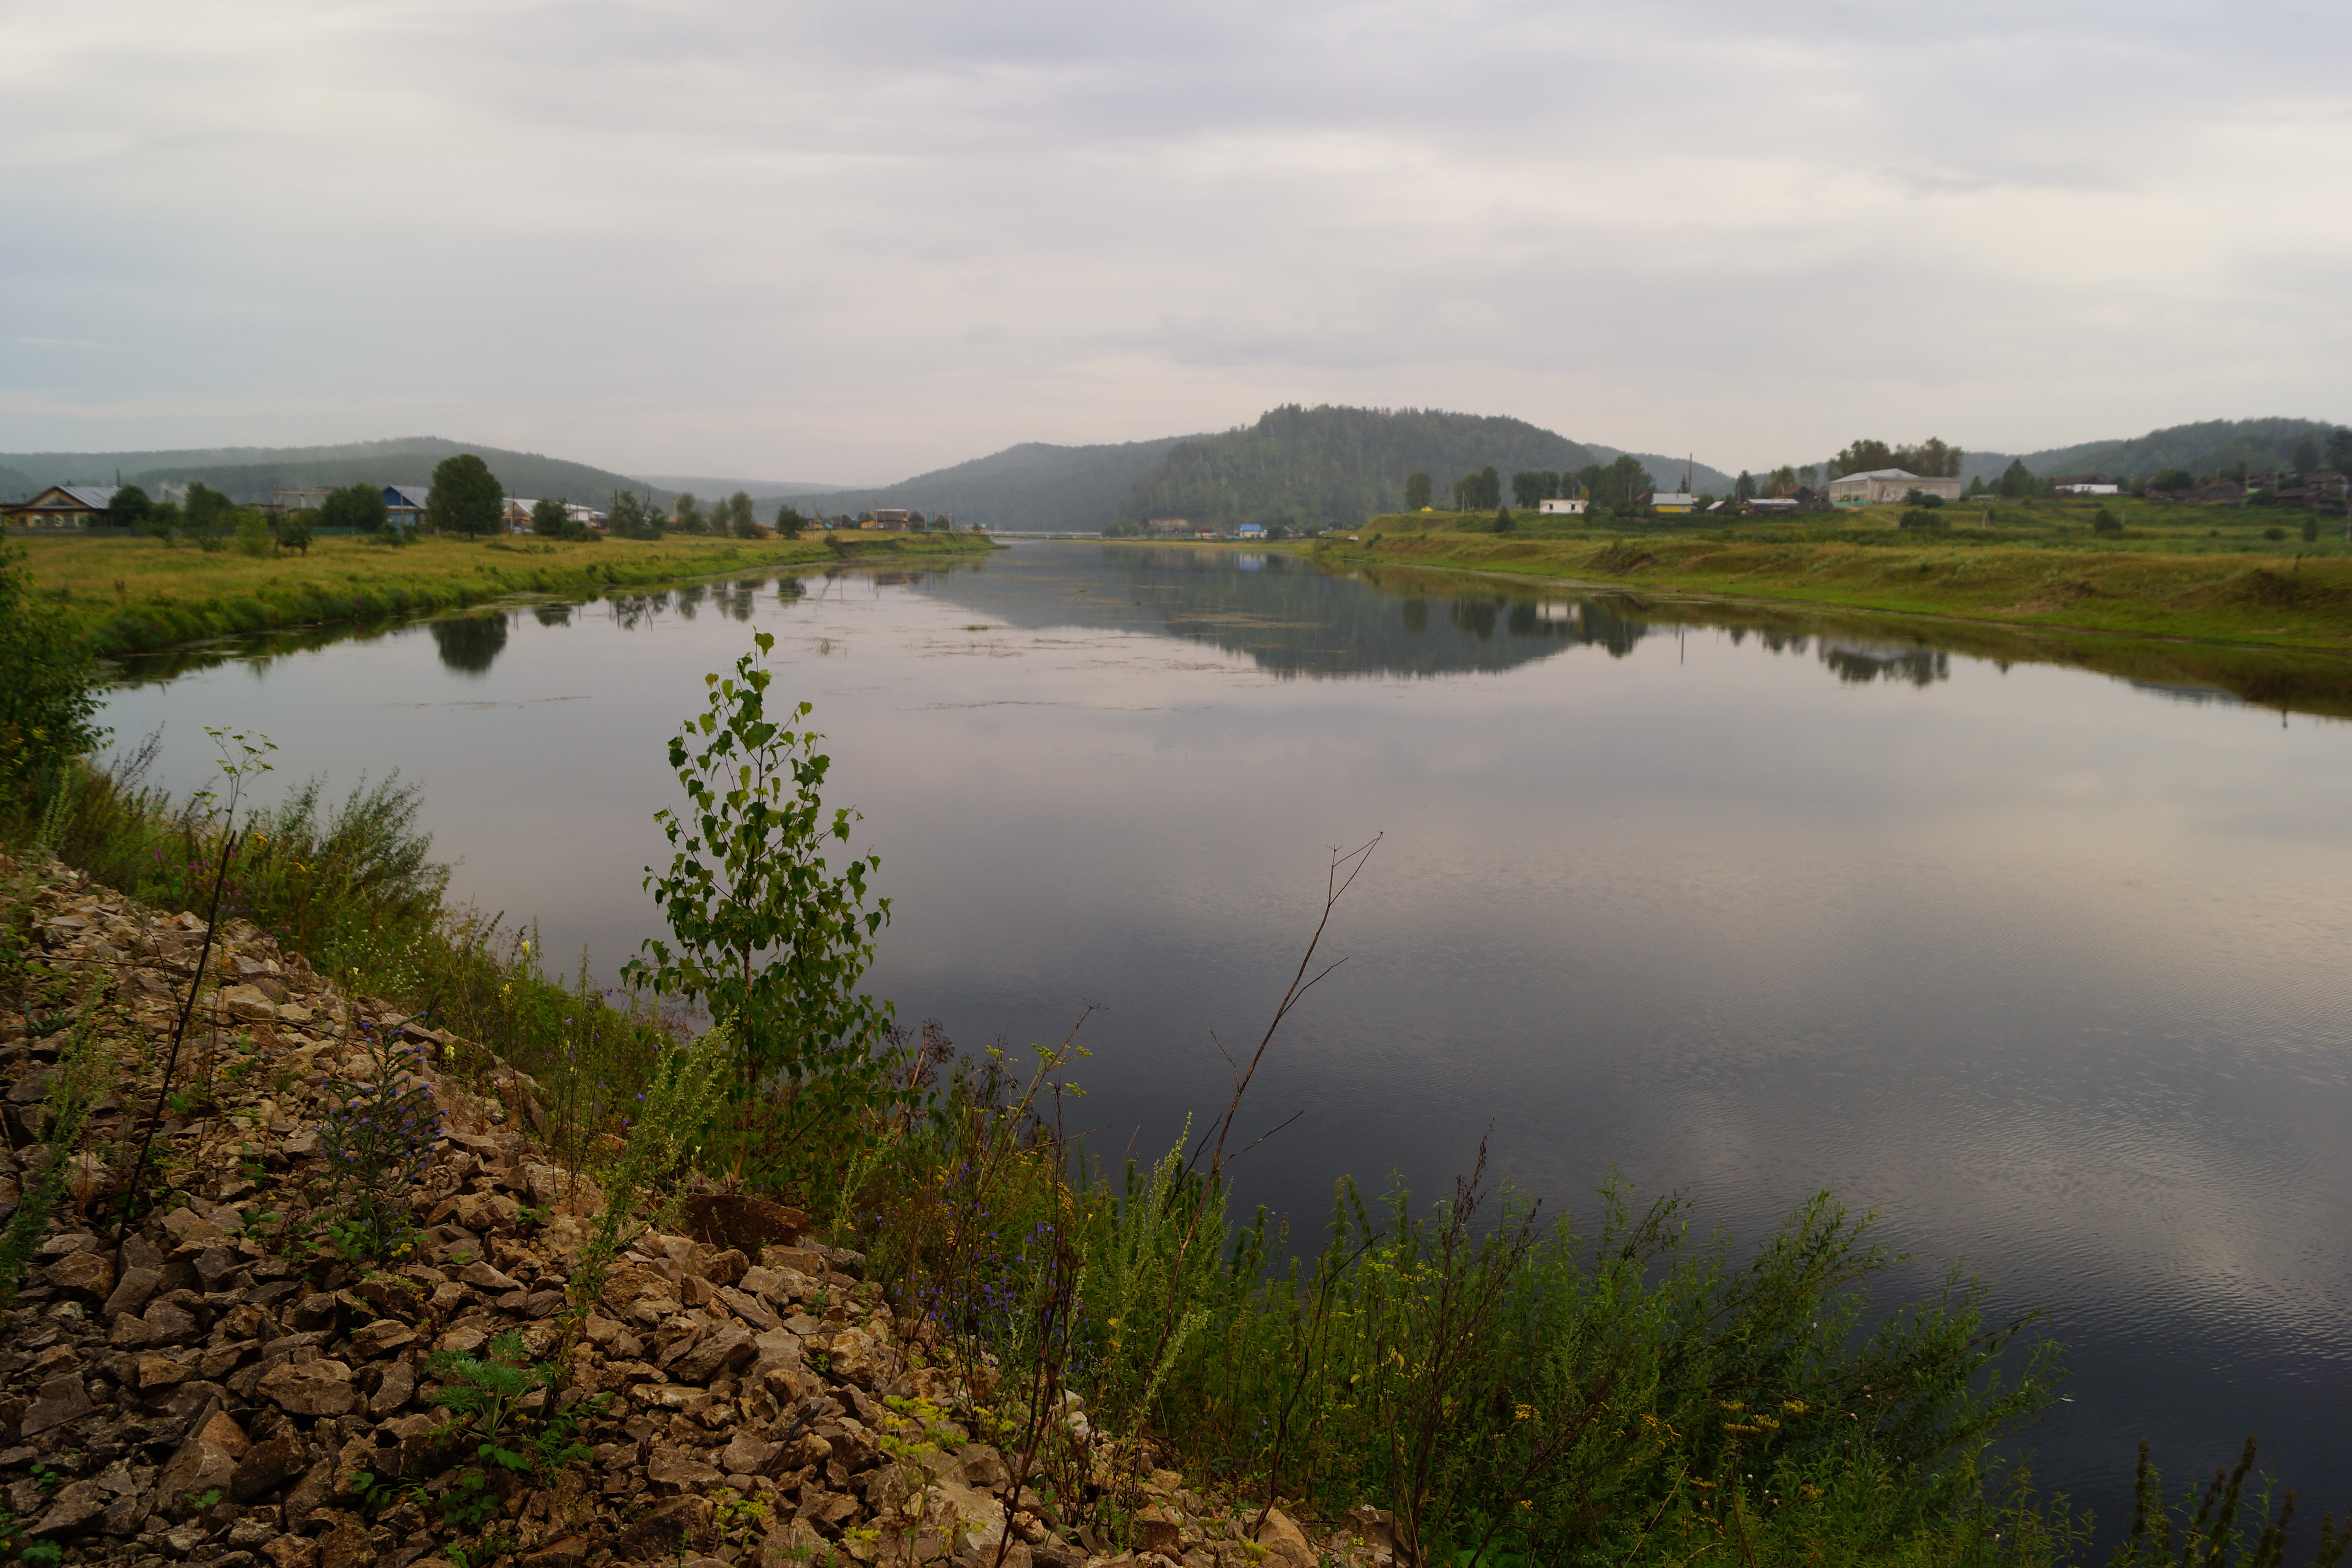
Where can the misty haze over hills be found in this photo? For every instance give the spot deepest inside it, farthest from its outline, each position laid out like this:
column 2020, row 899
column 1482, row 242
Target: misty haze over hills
column 250, row 473
column 1309, row 465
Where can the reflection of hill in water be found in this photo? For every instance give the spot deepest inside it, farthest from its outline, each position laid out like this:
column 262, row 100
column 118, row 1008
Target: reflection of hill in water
column 1289, row 618
column 1293, row 618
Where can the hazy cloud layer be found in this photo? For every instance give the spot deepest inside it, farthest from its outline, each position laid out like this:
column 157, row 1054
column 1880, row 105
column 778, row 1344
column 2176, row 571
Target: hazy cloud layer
column 848, row 243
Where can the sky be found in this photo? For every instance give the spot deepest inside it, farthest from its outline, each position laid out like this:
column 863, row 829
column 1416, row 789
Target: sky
column 845, row 244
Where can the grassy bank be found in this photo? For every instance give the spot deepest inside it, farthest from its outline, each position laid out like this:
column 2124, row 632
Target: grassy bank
column 137, row 596
column 2174, row 572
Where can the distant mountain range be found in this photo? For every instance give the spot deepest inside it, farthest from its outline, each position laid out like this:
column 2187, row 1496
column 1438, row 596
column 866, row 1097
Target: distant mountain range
column 2203, row 448
column 704, row 487
column 1033, row 486
column 250, row 473
column 1308, row 465
column 1315, row 466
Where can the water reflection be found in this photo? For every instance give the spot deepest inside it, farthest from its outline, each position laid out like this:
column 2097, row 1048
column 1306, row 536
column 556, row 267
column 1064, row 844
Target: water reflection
column 2051, row 972
column 1860, row 663
column 1293, row 619
column 469, row 643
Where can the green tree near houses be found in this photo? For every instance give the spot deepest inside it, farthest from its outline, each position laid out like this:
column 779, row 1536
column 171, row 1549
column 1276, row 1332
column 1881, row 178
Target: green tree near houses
column 359, row 508
column 209, row 514
column 734, row 516
column 789, row 521
column 1531, row 487
column 1416, row 491
column 296, row 528
column 548, row 517
column 2017, row 480
column 129, row 507
column 466, row 497
column 689, row 514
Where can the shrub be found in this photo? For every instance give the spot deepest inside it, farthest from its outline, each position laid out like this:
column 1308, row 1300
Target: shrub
column 1917, row 518
column 2311, row 531
column 2105, row 521
column 681, row 1094
column 377, row 1136
column 2274, row 533
column 83, row 1075
column 768, row 935
column 48, row 699
column 252, row 536
column 358, row 507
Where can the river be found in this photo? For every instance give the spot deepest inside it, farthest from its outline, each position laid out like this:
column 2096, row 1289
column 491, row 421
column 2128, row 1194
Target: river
column 2045, row 965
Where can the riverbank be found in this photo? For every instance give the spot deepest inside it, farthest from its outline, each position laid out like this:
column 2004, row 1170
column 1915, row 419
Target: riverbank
column 2054, row 575
column 127, row 597
column 796, row 1413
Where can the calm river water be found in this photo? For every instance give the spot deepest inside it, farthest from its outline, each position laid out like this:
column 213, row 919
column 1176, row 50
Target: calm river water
column 2046, row 966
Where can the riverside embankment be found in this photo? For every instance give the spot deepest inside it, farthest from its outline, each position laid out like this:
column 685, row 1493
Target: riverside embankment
column 2277, row 593
column 138, row 595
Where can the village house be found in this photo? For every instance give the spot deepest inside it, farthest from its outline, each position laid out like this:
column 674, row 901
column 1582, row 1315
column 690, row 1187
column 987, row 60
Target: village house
column 63, row 506
column 1877, row 486
column 404, row 505
column 285, row 499
column 1670, row 500
column 1250, row 531
column 1562, row 506
column 2084, row 485
column 1169, row 524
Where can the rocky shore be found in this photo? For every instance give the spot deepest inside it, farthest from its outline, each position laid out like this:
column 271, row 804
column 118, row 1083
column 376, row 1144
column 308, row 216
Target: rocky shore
column 218, row 1387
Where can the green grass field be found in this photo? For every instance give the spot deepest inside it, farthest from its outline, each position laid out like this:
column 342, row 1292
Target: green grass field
column 138, row 595
column 2180, row 570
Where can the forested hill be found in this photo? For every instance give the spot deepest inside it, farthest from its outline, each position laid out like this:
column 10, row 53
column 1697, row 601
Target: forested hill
column 250, row 473
column 2202, row 448
column 1031, row 486
column 1308, row 466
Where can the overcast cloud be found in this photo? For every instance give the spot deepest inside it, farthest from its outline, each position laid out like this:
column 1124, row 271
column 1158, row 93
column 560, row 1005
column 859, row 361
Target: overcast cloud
column 848, row 243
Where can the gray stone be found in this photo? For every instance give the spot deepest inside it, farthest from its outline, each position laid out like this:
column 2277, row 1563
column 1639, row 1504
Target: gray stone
column 133, row 1289
column 749, row 1455
column 78, row 1505
column 198, row 1468
column 311, row 1492
column 382, row 1337
column 62, row 1399
column 313, row 1388
column 399, row 1386
column 86, row 1275
column 676, row 1467
column 722, row 1349
column 189, row 1228
column 267, row 1467
column 169, row 1323
column 482, row 1277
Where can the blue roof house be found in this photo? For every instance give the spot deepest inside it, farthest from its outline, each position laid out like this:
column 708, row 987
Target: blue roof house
column 405, row 503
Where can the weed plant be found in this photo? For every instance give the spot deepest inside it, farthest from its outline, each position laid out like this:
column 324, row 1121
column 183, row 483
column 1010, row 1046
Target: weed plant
column 82, row 1076
column 682, row 1095
column 376, row 1135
